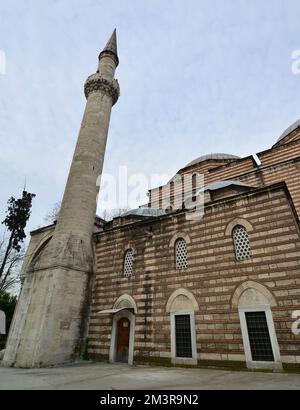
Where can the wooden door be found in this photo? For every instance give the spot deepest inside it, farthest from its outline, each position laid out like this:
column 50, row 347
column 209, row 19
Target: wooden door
column 123, row 333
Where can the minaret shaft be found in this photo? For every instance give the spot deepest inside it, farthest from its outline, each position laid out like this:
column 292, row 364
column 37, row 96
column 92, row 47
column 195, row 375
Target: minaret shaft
column 81, row 189
column 77, row 214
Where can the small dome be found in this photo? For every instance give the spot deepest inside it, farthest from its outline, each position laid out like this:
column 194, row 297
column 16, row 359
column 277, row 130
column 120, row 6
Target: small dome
column 217, row 156
column 290, row 129
column 225, row 184
column 144, row 212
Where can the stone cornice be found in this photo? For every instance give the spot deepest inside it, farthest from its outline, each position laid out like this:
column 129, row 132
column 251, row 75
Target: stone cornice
column 96, row 82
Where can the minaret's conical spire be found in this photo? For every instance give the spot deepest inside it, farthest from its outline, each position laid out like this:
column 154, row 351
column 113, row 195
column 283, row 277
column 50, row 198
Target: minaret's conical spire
column 112, row 43
column 111, row 47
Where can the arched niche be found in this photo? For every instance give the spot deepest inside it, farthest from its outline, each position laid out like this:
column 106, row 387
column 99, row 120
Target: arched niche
column 182, row 299
column 238, row 221
column 252, row 293
column 127, row 302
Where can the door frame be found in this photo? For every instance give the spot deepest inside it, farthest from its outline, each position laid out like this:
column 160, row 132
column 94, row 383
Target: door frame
column 114, row 334
column 252, row 364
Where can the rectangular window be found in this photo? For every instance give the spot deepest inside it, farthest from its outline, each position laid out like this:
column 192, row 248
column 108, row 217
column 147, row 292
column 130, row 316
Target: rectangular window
column 183, row 336
column 259, row 337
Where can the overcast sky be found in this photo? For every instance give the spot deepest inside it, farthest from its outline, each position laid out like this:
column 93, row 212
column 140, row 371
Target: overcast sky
column 196, row 77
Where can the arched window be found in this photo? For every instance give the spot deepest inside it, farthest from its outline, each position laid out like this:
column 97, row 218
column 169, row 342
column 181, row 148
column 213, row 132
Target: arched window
column 194, row 187
column 241, row 243
column 254, row 302
column 160, row 198
column 128, row 263
column 181, row 254
column 182, row 306
column 172, row 194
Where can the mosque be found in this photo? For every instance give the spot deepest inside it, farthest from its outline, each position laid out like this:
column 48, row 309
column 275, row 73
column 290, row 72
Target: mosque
column 155, row 284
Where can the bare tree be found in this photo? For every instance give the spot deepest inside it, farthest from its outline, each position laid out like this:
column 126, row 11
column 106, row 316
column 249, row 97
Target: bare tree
column 109, row 214
column 106, row 214
column 12, row 267
column 52, row 216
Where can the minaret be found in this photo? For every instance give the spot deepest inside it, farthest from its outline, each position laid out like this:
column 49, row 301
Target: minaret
column 78, row 208
column 48, row 326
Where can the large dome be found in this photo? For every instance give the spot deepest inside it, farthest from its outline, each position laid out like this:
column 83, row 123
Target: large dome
column 216, row 156
column 290, row 129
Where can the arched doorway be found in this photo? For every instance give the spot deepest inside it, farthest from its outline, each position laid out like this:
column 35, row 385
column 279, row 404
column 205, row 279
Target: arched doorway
column 123, row 337
column 123, row 330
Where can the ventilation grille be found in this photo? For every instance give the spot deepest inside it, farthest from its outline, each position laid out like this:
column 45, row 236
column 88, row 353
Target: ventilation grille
column 181, row 254
column 128, row 263
column 241, row 243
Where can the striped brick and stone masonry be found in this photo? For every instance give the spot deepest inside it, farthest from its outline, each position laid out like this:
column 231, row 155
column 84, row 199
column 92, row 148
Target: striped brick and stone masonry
column 279, row 163
column 214, row 278
column 217, row 290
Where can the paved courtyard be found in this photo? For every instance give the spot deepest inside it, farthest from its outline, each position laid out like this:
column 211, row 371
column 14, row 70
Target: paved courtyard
column 85, row 376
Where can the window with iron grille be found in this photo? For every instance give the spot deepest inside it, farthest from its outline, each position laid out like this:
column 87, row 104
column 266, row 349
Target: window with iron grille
column 128, row 263
column 183, row 336
column 259, row 337
column 181, row 254
column 241, row 243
